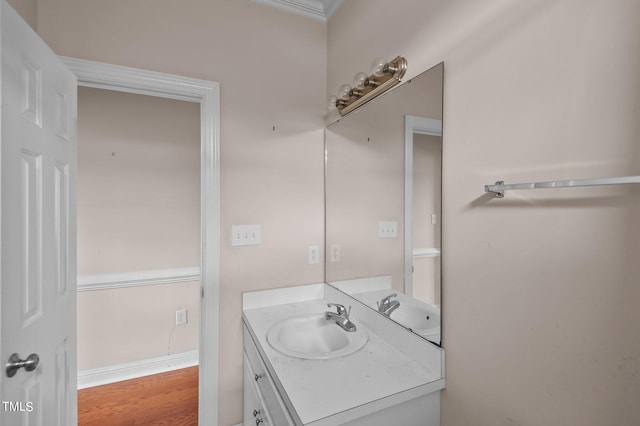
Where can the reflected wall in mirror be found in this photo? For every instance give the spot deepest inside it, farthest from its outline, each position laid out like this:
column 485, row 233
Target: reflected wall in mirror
column 383, row 203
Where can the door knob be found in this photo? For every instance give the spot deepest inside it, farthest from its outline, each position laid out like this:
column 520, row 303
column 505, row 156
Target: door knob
column 15, row 363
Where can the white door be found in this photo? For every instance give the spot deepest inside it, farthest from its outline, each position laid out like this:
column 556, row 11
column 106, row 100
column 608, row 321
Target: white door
column 38, row 231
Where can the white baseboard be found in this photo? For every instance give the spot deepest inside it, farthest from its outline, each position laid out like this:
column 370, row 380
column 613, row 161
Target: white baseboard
column 132, row 370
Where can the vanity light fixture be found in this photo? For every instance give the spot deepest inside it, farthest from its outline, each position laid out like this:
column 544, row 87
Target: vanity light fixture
column 384, row 75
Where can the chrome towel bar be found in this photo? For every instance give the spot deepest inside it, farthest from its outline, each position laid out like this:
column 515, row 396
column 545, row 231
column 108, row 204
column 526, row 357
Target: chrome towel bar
column 500, row 187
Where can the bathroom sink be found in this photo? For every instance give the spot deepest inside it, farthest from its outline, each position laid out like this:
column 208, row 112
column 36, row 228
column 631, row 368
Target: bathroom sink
column 423, row 320
column 313, row 337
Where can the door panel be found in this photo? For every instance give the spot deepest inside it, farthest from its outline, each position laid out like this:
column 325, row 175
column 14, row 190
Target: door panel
column 61, row 224
column 37, row 188
column 31, row 235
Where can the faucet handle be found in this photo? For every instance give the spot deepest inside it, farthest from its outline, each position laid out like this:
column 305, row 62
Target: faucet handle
column 386, row 300
column 342, row 311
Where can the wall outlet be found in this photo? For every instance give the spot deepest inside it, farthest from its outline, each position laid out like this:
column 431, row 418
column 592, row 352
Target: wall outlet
column 334, row 253
column 314, row 254
column 181, row 316
column 246, row 235
column 387, row 229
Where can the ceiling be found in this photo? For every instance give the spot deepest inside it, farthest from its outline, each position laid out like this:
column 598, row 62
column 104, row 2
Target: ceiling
column 316, row 9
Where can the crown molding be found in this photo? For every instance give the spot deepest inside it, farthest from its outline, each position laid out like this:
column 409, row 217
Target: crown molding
column 316, row 9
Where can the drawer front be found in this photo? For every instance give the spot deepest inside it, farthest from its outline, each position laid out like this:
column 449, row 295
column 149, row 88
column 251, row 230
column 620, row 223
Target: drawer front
column 255, row 412
column 264, row 383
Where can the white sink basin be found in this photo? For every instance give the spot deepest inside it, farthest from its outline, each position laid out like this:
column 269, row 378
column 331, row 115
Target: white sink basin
column 420, row 319
column 313, row 337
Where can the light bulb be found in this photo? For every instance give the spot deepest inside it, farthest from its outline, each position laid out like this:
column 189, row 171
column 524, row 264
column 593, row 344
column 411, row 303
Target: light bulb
column 332, row 102
column 344, row 90
column 377, row 67
column 359, row 80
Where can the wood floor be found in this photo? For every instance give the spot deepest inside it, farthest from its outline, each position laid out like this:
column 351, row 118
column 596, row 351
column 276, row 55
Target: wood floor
column 168, row 399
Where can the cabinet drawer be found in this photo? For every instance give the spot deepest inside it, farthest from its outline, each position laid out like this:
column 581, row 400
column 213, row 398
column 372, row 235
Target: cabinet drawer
column 255, row 411
column 262, row 380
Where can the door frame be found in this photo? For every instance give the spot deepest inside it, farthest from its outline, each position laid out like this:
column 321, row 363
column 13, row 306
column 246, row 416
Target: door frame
column 413, row 124
column 207, row 93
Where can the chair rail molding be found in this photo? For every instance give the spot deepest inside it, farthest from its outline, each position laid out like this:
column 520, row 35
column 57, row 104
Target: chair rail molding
column 137, row 278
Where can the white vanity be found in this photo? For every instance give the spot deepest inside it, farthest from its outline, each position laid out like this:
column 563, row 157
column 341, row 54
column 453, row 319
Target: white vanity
column 302, row 369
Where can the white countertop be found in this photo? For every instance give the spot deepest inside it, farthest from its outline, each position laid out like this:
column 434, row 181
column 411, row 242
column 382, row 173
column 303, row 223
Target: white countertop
column 319, row 389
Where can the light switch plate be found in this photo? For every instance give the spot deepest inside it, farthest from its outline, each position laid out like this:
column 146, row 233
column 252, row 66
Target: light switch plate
column 387, row 229
column 246, row 235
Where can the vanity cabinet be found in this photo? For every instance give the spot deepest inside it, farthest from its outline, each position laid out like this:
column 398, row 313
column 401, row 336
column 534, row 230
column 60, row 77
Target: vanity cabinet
column 254, row 406
column 394, row 379
column 263, row 405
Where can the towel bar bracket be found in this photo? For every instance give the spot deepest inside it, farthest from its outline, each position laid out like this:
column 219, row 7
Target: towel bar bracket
column 498, row 192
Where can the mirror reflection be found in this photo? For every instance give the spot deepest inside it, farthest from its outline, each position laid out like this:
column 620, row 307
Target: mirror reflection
column 383, row 204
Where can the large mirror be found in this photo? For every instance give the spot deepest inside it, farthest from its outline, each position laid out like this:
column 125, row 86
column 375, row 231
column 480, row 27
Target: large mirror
column 383, row 204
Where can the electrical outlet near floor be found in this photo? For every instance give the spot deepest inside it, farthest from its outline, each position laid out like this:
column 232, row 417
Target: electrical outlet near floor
column 181, row 316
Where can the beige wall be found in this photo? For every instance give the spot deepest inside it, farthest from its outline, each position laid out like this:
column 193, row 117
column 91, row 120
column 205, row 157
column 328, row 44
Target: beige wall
column 138, row 182
column 28, row 9
column 138, row 210
column 540, row 289
column 123, row 325
column 271, row 67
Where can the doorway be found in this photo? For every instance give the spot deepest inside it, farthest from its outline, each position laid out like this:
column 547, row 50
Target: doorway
column 138, row 208
column 423, row 212
column 123, row 79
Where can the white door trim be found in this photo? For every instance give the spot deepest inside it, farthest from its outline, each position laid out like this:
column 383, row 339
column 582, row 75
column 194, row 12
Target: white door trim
column 423, row 126
column 113, row 77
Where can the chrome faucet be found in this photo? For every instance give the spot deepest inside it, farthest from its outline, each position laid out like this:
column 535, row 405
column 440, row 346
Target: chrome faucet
column 386, row 305
column 341, row 318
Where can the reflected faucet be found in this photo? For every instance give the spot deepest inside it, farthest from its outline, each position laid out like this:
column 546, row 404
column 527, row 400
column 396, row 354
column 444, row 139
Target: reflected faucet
column 341, row 317
column 386, row 305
